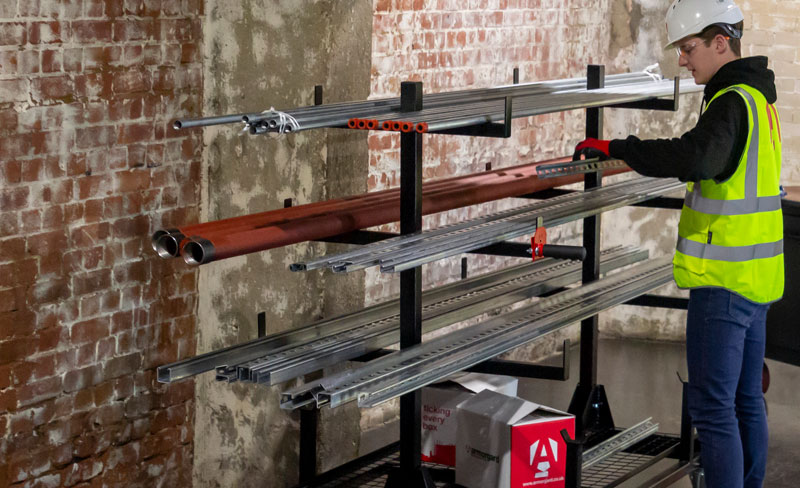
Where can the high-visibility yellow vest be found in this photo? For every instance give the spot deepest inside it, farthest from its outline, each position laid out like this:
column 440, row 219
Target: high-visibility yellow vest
column 731, row 233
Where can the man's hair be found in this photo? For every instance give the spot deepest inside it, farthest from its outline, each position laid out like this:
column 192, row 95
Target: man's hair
column 712, row 31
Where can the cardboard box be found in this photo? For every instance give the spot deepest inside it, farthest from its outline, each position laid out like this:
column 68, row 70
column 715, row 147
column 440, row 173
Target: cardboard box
column 439, row 402
column 508, row 442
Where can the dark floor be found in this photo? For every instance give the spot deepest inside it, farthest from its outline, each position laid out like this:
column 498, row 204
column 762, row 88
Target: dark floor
column 640, row 379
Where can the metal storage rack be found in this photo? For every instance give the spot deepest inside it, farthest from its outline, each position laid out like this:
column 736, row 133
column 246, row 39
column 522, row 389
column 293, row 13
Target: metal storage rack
column 400, row 465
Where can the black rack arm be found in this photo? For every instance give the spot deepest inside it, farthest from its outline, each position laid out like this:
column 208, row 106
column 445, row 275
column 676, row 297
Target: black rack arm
column 527, row 370
column 548, row 193
column 662, row 202
column 572, row 478
column 489, row 129
column 656, row 104
column 360, row 237
column 660, row 301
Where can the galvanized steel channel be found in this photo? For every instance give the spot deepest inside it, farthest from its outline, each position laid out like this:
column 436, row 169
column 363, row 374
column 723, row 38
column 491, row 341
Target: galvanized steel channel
column 472, row 300
column 405, row 252
column 396, row 374
column 438, row 310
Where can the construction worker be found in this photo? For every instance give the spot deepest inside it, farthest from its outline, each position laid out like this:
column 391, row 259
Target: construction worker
column 730, row 236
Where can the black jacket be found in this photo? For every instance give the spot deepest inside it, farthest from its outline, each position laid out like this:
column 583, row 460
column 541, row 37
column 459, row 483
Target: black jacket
column 713, row 148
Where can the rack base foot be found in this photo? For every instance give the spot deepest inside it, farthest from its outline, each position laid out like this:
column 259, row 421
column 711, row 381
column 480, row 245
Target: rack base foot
column 591, row 409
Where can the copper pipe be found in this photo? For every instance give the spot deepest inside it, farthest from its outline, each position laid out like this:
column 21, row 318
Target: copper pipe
column 434, row 191
column 168, row 243
column 235, row 243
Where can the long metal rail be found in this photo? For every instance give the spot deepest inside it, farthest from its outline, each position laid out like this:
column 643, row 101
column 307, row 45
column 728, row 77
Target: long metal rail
column 577, row 167
column 279, row 366
column 528, row 104
column 433, row 299
column 458, row 115
column 404, row 371
column 351, row 258
column 558, row 102
column 623, row 440
column 308, row 116
column 405, row 252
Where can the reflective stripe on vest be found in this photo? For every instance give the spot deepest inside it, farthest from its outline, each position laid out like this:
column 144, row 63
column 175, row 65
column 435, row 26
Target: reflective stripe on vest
column 750, row 204
column 730, row 254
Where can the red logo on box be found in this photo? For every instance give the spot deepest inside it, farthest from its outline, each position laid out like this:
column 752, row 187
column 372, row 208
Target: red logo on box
column 539, row 454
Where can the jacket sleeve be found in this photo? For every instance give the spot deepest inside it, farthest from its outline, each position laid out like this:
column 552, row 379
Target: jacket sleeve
column 711, row 150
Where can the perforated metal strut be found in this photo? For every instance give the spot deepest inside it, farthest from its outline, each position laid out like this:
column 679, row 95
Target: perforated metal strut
column 288, row 363
column 407, row 370
column 406, row 252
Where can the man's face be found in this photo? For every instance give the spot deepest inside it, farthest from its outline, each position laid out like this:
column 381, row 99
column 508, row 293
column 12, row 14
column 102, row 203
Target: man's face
column 698, row 58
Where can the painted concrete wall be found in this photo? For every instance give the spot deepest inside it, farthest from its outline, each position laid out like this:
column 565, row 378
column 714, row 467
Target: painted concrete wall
column 259, row 54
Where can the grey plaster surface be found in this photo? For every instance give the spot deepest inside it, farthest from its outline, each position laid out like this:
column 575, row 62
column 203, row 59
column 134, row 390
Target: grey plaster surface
column 260, row 54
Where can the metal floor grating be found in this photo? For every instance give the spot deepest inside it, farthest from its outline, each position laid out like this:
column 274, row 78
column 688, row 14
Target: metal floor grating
column 371, row 475
column 611, row 472
column 615, row 469
column 374, row 474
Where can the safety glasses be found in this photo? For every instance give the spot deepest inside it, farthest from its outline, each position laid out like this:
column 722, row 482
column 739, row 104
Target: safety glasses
column 686, row 49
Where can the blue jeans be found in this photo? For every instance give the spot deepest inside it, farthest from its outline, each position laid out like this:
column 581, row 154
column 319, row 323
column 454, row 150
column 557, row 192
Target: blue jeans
column 725, row 337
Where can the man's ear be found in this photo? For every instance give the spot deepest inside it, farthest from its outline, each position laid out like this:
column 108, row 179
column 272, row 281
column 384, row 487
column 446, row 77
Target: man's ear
column 721, row 44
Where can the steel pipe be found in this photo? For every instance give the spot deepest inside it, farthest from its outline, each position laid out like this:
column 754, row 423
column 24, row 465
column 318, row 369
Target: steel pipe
column 345, row 110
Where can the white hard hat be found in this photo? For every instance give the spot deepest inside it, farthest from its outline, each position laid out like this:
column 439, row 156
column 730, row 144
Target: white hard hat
column 688, row 17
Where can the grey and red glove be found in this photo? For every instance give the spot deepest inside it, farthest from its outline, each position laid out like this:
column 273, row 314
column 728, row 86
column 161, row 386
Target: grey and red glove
column 591, row 148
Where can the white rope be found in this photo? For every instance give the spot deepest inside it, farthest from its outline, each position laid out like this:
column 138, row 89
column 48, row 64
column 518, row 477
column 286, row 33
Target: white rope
column 651, row 71
column 284, row 120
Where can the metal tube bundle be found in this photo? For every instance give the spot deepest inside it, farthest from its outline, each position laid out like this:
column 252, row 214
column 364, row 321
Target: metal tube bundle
column 405, row 252
column 442, row 306
column 432, row 119
column 211, row 241
column 404, row 371
column 555, row 102
column 510, row 286
column 338, row 114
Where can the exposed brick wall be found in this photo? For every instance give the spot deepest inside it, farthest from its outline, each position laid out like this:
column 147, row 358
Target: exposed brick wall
column 452, row 45
column 774, row 30
column 88, row 169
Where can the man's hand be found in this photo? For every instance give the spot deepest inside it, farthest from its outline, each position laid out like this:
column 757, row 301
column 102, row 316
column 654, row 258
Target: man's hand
column 591, row 148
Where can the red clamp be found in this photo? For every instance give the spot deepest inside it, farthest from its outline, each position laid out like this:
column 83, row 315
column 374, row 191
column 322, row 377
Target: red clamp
column 538, row 241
